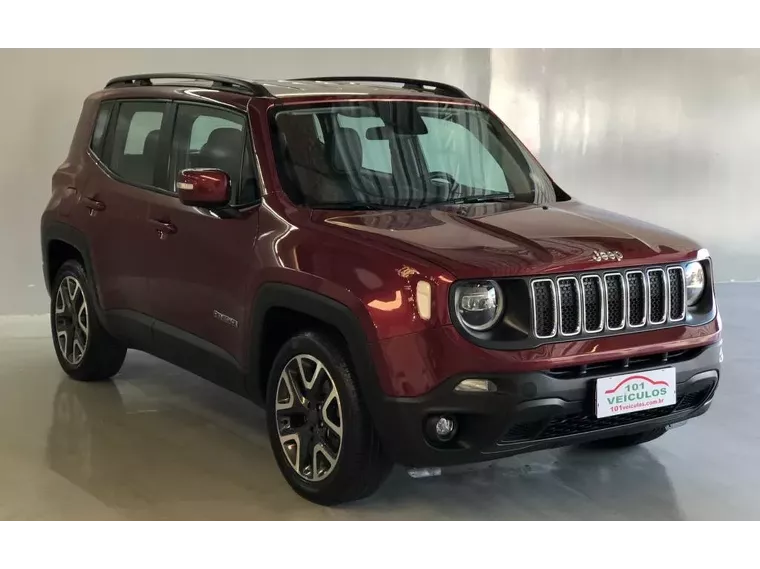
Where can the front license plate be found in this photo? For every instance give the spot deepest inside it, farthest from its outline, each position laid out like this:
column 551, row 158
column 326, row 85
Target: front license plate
column 628, row 393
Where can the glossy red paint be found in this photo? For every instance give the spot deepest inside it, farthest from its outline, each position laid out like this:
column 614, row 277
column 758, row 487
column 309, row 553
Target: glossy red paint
column 158, row 256
column 203, row 187
column 515, row 239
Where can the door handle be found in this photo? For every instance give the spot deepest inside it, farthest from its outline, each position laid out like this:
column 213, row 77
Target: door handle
column 164, row 228
column 93, row 204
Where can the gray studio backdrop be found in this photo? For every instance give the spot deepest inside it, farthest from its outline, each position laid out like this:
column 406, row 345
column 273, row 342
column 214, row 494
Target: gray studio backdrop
column 672, row 137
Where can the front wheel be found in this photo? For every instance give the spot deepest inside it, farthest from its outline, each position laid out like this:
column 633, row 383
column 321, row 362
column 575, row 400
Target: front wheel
column 321, row 434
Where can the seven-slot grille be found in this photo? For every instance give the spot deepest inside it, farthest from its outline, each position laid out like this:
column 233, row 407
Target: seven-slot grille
column 607, row 302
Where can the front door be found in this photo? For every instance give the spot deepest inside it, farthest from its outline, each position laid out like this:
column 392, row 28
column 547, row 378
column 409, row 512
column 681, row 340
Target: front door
column 200, row 261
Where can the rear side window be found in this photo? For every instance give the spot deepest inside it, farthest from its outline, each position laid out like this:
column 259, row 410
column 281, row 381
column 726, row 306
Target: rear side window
column 133, row 153
column 99, row 131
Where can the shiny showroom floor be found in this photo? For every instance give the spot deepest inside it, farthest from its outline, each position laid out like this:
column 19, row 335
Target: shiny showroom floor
column 160, row 443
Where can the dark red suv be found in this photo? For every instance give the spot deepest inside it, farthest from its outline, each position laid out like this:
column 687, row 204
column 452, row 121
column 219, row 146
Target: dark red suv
column 380, row 263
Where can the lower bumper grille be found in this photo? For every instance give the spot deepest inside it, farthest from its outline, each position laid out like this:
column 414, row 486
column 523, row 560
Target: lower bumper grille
column 585, row 423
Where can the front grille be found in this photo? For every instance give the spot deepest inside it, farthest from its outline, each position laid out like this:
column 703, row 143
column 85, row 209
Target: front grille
column 607, row 302
column 580, row 423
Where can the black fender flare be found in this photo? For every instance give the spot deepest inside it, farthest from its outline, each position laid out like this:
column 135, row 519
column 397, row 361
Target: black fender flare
column 324, row 309
column 57, row 231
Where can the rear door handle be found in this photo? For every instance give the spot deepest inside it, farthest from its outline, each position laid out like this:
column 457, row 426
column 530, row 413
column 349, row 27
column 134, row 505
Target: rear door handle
column 163, row 227
column 93, row 204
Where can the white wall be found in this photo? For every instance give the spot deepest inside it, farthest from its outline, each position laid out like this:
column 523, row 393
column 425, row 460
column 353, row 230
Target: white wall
column 666, row 136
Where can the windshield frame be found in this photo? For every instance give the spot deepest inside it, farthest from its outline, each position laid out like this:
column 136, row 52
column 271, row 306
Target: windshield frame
column 291, row 185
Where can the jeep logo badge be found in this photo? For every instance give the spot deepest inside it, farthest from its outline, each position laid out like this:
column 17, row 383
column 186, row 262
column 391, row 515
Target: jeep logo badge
column 607, row 256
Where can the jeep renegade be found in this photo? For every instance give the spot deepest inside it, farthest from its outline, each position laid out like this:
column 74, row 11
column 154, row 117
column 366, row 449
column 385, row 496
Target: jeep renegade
column 377, row 261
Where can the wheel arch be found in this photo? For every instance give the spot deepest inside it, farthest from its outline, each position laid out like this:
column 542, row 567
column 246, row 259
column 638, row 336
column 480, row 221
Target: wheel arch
column 61, row 242
column 312, row 310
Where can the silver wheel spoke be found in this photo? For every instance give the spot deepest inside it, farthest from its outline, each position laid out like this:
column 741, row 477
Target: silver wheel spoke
column 282, row 405
column 71, row 289
column 333, row 399
column 77, row 350
column 301, row 372
column 291, row 444
column 319, row 469
column 82, row 318
column 317, row 370
column 63, row 343
column 60, row 304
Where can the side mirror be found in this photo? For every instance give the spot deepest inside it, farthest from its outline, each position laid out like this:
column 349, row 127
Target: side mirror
column 204, row 187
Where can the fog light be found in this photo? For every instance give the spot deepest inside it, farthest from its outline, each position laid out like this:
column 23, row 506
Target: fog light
column 442, row 428
column 445, row 427
column 476, row 385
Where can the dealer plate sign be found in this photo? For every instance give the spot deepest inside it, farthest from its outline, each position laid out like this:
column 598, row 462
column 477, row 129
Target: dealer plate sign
column 638, row 391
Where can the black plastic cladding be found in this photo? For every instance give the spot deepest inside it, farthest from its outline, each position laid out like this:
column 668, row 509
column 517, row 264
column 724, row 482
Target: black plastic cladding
column 520, row 336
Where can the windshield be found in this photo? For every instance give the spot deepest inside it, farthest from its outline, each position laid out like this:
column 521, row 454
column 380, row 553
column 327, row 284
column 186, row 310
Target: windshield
column 403, row 154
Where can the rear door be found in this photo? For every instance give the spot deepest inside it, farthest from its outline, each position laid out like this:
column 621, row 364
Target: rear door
column 126, row 147
column 200, row 261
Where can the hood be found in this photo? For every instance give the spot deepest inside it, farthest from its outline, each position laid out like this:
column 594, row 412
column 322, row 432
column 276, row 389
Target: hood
column 512, row 238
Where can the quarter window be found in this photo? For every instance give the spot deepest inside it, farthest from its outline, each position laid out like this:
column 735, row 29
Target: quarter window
column 99, row 132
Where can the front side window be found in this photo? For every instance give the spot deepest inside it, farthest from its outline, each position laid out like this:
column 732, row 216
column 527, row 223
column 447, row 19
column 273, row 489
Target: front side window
column 207, row 137
column 403, row 154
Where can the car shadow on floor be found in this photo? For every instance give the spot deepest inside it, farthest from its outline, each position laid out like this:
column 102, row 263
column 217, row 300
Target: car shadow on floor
column 174, row 447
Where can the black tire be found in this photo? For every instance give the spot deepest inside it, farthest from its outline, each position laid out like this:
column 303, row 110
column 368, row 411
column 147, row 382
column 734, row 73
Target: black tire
column 624, row 441
column 361, row 466
column 103, row 355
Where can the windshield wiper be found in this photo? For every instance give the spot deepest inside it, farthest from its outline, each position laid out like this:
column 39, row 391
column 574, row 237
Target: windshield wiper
column 478, row 199
column 357, row 206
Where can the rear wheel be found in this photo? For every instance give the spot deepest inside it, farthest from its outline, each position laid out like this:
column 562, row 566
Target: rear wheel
column 321, row 434
column 624, row 441
column 85, row 350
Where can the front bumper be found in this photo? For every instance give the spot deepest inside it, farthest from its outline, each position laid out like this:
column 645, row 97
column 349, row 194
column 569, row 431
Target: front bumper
column 537, row 410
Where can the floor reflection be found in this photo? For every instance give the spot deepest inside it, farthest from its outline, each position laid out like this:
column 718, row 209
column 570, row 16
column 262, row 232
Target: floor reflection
column 174, row 447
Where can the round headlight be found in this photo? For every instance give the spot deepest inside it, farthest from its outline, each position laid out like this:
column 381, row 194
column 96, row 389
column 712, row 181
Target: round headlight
column 694, row 276
column 478, row 305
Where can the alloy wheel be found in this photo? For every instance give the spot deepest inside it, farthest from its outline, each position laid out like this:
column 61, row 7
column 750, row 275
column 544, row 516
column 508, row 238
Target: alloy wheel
column 309, row 417
column 72, row 320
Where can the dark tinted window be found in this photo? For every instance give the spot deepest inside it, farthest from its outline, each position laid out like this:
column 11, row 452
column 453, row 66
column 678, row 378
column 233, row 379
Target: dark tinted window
column 207, row 137
column 134, row 146
column 99, row 131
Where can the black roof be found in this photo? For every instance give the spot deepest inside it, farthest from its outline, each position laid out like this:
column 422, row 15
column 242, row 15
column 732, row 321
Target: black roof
column 311, row 86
